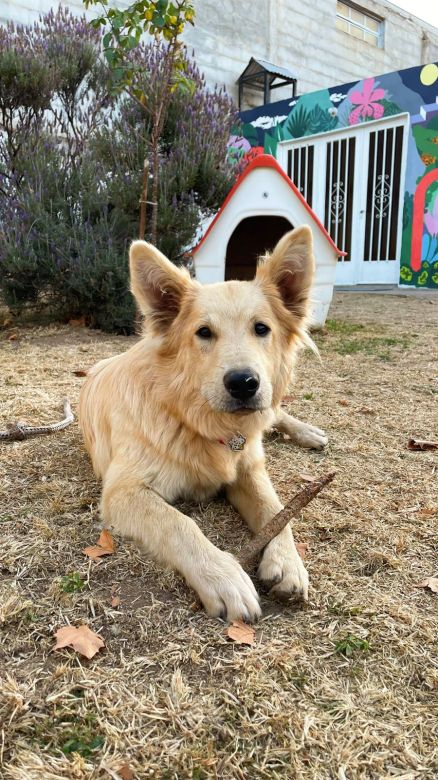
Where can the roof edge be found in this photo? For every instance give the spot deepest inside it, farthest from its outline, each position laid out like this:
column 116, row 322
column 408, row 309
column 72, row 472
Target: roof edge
column 267, row 161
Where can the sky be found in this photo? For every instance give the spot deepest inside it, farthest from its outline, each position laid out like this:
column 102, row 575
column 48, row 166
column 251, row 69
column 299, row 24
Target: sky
column 424, row 9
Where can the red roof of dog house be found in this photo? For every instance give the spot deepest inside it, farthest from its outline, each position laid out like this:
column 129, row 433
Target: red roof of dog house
column 267, row 161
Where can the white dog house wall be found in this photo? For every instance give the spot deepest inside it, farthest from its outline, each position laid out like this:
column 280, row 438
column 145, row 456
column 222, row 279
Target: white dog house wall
column 262, row 206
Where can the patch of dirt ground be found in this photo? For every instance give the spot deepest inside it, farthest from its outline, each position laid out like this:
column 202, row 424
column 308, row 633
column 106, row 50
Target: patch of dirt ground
column 344, row 689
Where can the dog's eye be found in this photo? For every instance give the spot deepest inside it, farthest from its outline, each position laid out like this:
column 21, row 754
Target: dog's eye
column 204, row 333
column 261, row 329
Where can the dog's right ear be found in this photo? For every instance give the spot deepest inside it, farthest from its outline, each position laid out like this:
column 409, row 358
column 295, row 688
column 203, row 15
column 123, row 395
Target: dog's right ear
column 157, row 284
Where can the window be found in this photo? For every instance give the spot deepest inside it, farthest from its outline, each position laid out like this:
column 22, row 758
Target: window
column 359, row 23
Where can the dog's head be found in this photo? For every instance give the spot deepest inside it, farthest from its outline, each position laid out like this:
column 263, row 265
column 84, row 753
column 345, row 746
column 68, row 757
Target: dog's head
column 229, row 343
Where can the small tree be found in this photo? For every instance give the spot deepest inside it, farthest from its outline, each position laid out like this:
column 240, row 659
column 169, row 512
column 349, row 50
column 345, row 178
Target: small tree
column 195, row 174
column 163, row 19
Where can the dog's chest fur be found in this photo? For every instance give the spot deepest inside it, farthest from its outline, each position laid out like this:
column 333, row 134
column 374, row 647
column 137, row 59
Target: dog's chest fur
column 180, row 464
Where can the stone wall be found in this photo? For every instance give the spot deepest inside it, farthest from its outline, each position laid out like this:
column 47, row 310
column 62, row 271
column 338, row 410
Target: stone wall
column 298, row 35
column 303, row 37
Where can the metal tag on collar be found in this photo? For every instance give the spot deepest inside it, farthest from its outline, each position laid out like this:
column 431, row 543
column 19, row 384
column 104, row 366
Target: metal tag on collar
column 237, row 442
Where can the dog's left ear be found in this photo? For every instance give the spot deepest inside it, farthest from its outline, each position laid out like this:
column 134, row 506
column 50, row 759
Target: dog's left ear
column 157, row 284
column 290, row 267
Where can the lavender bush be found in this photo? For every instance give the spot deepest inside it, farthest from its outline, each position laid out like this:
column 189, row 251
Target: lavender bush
column 71, row 163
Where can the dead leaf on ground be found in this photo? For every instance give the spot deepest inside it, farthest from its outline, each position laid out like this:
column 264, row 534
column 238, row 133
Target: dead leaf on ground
column 429, row 582
column 13, row 337
column 287, row 399
column 77, row 322
column 308, row 478
column 302, row 549
column 366, row 410
column 115, row 601
column 419, row 444
column 7, row 322
column 104, row 546
column 80, row 372
column 81, row 639
column 241, row 633
column 126, row 772
column 427, row 512
column 343, row 402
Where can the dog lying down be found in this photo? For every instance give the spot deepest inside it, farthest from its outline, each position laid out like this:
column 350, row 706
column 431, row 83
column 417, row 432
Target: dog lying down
column 182, row 414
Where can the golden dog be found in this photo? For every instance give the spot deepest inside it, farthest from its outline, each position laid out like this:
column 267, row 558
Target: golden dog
column 182, row 413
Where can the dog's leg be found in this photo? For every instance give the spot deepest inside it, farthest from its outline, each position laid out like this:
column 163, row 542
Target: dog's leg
column 133, row 509
column 301, row 433
column 255, row 499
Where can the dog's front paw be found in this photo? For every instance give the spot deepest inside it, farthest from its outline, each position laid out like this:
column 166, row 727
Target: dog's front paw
column 225, row 589
column 282, row 570
column 310, row 437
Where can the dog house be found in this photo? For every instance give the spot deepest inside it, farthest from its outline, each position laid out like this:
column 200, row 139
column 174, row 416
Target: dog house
column 262, row 206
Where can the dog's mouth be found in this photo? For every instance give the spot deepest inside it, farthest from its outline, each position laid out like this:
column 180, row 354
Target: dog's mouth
column 243, row 407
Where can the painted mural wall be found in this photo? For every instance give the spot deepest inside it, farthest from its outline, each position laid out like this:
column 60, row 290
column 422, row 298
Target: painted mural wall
column 413, row 91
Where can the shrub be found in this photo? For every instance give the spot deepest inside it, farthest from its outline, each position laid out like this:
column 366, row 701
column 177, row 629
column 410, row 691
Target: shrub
column 71, row 166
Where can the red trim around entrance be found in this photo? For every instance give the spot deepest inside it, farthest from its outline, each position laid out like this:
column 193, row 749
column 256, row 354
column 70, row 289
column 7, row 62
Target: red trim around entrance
column 418, row 218
column 267, row 161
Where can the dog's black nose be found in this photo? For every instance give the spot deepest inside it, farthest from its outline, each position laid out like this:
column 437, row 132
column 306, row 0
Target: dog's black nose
column 241, row 384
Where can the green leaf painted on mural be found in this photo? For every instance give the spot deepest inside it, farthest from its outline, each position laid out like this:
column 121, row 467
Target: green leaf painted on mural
column 321, row 121
column 250, row 133
column 431, row 194
column 298, row 122
column 270, row 144
column 391, row 108
column 428, row 149
column 406, row 273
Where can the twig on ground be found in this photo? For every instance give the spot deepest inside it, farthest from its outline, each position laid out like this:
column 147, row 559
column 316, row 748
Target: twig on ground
column 18, row 431
column 249, row 555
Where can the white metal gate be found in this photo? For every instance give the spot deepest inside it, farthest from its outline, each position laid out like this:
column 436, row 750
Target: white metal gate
column 353, row 179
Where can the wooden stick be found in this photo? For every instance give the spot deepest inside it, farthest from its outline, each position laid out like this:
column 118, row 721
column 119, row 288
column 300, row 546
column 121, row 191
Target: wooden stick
column 250, row 554
column 18, row 431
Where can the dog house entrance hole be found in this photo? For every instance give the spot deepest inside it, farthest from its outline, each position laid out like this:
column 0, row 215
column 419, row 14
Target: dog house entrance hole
column 251, row 238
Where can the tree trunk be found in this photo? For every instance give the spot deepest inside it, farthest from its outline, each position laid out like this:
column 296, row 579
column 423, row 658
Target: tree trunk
column 144, row 200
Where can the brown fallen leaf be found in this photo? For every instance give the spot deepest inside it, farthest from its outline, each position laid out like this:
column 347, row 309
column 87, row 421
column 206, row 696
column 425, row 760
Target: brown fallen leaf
column 343, row 402
column 104, row 546
column 13, row 337
column 115, row 601
column 427, row 512
column 126, row 772
column 241, row 633
column 81, row 639
column 77, row 322
column 308, row 478
column 302, row 549
column 429, row 582
column 287, row 399
column 7, row 322
column 80, row 372
column 419, row 444
column 366, row 410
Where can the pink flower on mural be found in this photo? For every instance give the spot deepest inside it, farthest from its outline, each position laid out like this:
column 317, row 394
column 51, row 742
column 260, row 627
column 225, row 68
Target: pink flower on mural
column 366, row 103
column 431, row 219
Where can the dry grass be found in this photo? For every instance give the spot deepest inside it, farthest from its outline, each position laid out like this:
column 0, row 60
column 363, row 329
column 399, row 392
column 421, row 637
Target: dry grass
column 345, row 689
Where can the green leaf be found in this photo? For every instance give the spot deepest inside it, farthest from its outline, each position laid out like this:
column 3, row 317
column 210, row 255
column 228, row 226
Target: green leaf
column 131, row 43
column 111, row 56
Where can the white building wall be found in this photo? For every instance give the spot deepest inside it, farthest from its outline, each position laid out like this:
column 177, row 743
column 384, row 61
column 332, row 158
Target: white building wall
column 303, row 36
column 298, row 35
